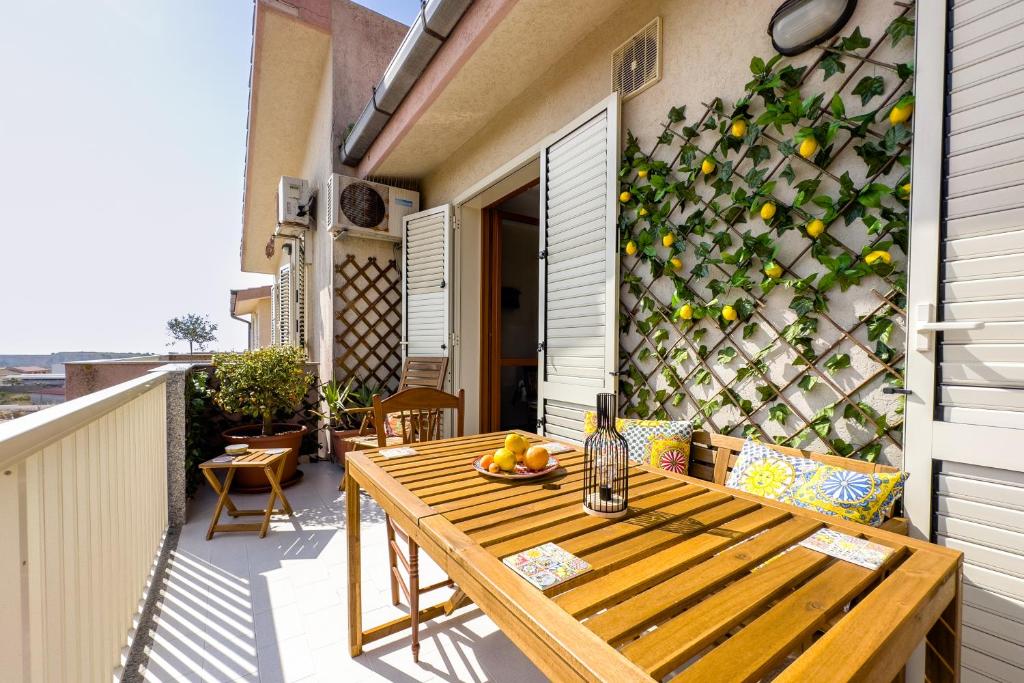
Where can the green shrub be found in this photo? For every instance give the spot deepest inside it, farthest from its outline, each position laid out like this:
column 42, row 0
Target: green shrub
column 261, row 382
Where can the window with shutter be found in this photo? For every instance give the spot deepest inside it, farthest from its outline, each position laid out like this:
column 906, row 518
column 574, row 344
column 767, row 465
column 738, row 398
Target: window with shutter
column 578, row 271
column 425, row 291
column 299, row 300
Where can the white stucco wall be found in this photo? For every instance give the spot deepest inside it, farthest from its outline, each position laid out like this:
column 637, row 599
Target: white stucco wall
column 707, row 49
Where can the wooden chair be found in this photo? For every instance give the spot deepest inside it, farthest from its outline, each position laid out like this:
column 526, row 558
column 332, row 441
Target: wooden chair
column 713, row 456
column 419, row 413
column 423, row 371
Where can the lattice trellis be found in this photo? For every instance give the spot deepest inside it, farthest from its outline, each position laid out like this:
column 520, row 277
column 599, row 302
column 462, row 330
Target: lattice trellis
column 811, row 349
column 368, row 323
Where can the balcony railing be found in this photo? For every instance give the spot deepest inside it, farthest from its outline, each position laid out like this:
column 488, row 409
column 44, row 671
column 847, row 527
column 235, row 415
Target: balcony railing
column 83, row 511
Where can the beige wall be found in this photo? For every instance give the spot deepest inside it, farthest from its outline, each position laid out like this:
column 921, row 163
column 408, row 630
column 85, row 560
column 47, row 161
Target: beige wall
column 707, row 49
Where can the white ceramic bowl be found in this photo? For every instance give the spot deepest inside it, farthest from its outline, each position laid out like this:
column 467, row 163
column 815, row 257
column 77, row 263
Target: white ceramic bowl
column 236, row 448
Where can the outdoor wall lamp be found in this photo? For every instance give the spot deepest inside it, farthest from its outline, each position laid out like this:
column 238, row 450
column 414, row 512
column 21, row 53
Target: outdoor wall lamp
column 800, row 24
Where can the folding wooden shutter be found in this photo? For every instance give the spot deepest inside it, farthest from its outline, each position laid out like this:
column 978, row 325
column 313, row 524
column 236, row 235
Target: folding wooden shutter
column 299, row 300
column 425, row 291
column 579, row 273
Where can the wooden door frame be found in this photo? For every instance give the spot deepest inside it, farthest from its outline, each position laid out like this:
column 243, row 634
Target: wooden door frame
column 490, row 307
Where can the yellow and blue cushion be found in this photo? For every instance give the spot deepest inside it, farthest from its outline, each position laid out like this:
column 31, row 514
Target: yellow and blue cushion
column 860, row 497
column 661, row 443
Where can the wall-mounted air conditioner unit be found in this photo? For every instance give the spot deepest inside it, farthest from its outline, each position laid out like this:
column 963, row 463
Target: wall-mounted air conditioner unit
column 292, row 202
column 360, row 208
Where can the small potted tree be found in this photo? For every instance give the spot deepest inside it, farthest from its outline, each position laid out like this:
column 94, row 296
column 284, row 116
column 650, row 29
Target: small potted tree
column 347, row 407
column 262, row 384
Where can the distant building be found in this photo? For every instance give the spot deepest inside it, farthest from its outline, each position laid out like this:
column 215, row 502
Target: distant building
column 255, row 303
column 29, row 370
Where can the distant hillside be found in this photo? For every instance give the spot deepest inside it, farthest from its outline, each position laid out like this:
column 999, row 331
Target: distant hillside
column 50, row 360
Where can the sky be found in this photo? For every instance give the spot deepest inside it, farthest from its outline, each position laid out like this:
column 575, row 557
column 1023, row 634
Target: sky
column 122, row 148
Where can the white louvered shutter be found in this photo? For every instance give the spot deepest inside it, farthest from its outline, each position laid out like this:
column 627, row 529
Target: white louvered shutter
column 425, row 291
column 965, row 421
column 578, row 271
column 299, row 300
column 284, row 305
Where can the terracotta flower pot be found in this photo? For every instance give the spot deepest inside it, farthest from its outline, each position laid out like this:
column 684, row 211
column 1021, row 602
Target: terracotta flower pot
column 338, row 444
column 287, row 436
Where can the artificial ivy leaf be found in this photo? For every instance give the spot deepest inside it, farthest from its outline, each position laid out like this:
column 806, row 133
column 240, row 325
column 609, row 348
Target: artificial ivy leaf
column 837, row 362
column 871, row 452
column 701, row 377
column 905, row 70
column 837, row 107
column 759, row 154
column 789, row 174
column 778, row 413
column 869, row 87
column 831, row 64
column 726, row 355
column 879, row 328
column 822, row 421
column 677, row 114
column 748, row 330
column 854, row 41
column 900, row 28
column 807, row 382
column 841, row 447
column 765, row 392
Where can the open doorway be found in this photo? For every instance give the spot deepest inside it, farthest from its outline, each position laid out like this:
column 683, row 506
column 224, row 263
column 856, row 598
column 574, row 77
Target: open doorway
column 509, row 313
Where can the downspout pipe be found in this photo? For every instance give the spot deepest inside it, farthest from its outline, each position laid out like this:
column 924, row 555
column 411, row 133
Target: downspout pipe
column 433, row 26
column 248, row 323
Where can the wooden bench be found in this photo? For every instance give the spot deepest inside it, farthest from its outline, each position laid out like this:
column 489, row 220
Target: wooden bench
column 713, row 456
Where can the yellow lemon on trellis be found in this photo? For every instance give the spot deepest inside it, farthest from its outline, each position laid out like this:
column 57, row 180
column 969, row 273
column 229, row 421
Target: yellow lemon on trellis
column 676, row 262
column 728, row 313
column 808, row 147
column 625, row 197
column 905, row 189
column 686, row 312
column 815, row 228
column 642, row 173
column 739, row 128
column 876, row 256
column 773, row 270
column 642, row 211
column 631, row 248
column 901, row 113
column 707, row 167
column 668, row 239
column 768, row 211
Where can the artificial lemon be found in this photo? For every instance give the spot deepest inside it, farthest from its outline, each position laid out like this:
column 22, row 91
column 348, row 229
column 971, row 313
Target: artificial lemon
column 517, row 443
column 905, row 189
column 641, row 173
column 505, row 459
column 631, row 247
column 808, row 147
column 707, row 167
column 739, row 128
column 773, row 270
column 901, row 113
column 815, row 228
column 536, row 458
column 676, row 262
column 728, row 313
column 768, row 211
column 668, row 239
column 876, row 256
column 686, row 312
column 642, row 211
column 625, row 197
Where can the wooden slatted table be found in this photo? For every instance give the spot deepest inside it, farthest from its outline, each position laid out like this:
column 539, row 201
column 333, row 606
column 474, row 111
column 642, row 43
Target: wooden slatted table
column 679, row 589
column 271, row 461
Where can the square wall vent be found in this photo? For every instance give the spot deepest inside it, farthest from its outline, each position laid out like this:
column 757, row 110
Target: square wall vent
column 636, row 64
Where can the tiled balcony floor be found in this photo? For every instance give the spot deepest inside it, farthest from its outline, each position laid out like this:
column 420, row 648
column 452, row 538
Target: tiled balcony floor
column 241, row 608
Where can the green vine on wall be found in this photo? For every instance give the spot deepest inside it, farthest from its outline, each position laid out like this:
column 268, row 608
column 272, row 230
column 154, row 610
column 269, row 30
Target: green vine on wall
column 707, row 210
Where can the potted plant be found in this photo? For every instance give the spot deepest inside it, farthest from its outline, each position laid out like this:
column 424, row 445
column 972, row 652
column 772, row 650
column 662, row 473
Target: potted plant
column 347, row 407
column 261, row 384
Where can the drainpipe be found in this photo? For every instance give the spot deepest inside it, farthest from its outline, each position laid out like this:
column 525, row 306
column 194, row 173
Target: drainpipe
column 433, row 26
column 248, row 323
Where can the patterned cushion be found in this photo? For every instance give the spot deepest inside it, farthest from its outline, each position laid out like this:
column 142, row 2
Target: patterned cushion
column 670, row 455
column 855, row 496
column 640, row 435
